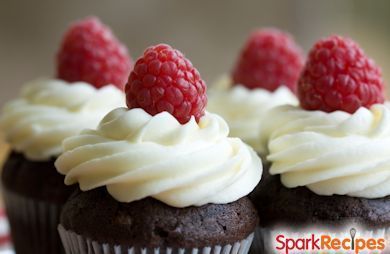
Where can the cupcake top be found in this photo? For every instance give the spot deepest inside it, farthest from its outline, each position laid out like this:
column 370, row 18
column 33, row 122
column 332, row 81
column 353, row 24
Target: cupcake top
column 264, row 76
column 336, row 141
column 92, row 67
column 162, row 147
column 50, row 110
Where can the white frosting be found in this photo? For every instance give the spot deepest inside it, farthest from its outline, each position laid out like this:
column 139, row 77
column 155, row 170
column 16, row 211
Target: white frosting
column 49, row 111
column 332, row 153
column 245, row 110
column 136, row 155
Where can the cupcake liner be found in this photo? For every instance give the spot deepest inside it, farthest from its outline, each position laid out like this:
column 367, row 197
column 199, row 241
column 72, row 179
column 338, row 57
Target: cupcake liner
column 33, row 224
column 264, row 240
column 78, row 244
column 258, row 242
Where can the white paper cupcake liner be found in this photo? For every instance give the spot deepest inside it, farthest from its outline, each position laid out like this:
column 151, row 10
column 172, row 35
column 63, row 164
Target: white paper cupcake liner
column 77, row 244
column 33, row 224
column 264, row 240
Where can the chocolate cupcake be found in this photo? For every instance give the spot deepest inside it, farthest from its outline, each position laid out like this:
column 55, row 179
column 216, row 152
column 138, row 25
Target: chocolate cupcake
column 151, row 224
column 47, row 112
column 264, row 76
column 161, row 176
column 329, row 158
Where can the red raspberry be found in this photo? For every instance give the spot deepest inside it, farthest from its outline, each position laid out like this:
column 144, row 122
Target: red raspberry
column 90, row 52
column 164, row 80
column 338, row 76
column 269, row 59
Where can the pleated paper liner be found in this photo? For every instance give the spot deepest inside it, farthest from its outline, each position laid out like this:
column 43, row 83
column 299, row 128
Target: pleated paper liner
column 77, row 244
column 33, row 224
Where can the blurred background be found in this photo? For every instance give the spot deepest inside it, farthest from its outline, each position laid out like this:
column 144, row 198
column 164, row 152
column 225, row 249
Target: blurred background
column 210, row 33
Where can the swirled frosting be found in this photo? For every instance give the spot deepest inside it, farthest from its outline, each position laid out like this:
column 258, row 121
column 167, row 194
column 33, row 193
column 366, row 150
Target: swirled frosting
column 49, row 110
column 245, row 109
column 136, row 155
column 332, row 153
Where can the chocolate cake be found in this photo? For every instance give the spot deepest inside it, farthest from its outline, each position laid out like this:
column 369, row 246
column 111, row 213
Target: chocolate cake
column 35, row 179
column 98, row 216
column 35, row 193
column 300, row 206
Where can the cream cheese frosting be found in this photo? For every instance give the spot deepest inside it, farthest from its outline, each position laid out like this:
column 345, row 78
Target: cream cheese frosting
column 136, row 155
column 50, row 110
column 332, row 153
column 245, row 109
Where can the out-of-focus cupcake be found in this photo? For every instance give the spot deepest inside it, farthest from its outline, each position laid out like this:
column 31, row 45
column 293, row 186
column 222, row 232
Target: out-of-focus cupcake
column 264, row 76
column 92, row 67
column 329, row 156
column 161, row 176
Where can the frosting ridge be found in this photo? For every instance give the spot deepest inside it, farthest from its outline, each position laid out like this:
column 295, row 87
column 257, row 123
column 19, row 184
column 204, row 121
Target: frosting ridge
column 136, row 155
column 332, row 153
column 245, row 109
column 50, row 110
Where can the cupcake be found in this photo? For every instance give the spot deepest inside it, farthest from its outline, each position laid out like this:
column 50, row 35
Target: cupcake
column 161, row 176
column 264, row 76
column 329, row 156
column 89, row 83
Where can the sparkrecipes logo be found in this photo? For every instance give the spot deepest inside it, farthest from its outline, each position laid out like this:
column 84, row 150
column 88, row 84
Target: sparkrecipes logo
column 351, row 242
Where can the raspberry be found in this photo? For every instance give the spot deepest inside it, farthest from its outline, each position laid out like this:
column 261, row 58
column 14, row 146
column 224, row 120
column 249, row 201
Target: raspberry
column 90, row 52
column 338, row 76
column 269, row 59
column 164, row 80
